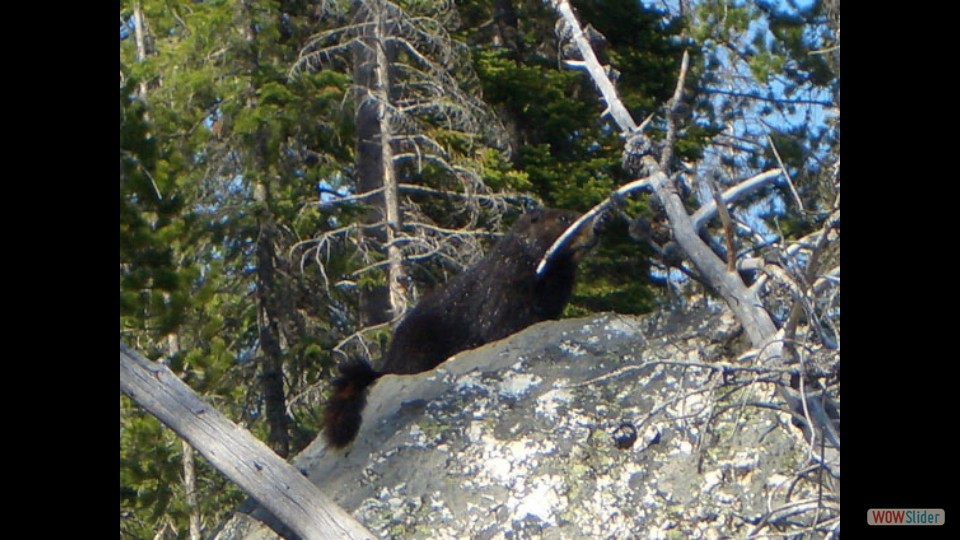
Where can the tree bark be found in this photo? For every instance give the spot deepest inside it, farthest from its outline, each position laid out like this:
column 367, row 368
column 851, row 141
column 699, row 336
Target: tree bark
column 269, row 297
column 190, row 489
column 391, row 191
column 271, row 311
column 375, row 169
column 140, row 38
column 374, row 299
column 508, row 28
column 234, row 452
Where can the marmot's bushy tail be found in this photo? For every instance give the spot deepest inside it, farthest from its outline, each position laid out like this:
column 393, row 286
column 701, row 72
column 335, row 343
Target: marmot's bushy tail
column 342, row 417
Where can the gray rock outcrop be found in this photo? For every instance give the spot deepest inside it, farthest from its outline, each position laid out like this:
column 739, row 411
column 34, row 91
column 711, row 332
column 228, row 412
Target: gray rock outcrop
column 607, row 426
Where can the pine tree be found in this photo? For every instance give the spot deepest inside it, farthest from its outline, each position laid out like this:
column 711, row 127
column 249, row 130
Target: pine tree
column 419, row 127
column 212, row 202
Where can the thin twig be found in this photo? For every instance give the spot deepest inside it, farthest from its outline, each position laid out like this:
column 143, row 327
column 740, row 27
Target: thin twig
column 731, row 195
column 786, row 174
column 726, row 221
column 673, row 106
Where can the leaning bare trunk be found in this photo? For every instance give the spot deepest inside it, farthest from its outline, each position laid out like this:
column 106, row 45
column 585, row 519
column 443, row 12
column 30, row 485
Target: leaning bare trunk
column 763, row 334
column 233, row 451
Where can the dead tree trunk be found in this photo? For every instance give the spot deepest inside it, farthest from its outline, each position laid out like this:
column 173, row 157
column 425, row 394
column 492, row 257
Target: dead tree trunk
column 767, row 340
column 374, row 165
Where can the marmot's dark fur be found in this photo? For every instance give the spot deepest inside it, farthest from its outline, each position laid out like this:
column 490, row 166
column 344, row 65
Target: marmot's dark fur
column 497, row 297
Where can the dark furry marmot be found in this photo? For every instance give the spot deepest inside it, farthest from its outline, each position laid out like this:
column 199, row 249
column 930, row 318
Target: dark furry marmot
column 497, row 297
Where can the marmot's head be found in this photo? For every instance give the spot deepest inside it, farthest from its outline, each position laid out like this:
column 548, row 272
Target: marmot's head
column 537, row 230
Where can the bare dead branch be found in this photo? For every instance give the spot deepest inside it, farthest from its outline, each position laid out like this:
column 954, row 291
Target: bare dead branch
column 742, row 300
column 618, row 111
column 731, row 195
column 350, row 198
column 458, row 232
column 676, row 101
column 809, row 275
column 358, row 336
column 758, row 97
column 726, row 221
column 786, row 174
column 791, row 509
column 589, row 217
column 233, row 451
